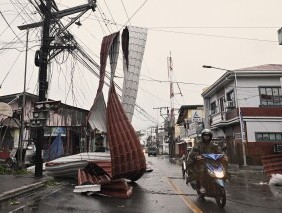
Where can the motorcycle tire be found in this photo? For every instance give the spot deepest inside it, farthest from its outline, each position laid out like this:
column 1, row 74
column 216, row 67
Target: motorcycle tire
column 220, row 197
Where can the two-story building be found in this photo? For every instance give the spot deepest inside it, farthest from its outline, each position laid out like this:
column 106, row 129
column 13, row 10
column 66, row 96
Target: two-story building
column 245, row 107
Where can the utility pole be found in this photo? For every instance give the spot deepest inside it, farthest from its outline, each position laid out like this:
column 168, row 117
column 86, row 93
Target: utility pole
column 171, row 120
column 20, row 162
column 42, row 59
column 43, row 85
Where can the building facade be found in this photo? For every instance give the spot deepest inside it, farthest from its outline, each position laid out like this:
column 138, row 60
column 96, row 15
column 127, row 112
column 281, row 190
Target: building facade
column 189, row 126
column 244, row 106
column 69, row 121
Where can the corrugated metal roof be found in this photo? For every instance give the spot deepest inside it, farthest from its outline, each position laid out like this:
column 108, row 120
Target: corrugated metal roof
column 94, row 174
column 97, row 114
column 133, row 45
column 128, row 159
column 265, row 67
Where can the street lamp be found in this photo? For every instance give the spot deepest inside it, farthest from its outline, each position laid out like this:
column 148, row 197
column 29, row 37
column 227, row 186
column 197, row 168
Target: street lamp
column 239, row 109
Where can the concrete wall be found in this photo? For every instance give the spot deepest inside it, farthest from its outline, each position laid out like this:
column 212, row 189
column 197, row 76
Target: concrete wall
column 262, row 125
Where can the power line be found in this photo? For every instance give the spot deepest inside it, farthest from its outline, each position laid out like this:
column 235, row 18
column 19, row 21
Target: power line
column 134, row 13
column 125, row 12
column 210, row 35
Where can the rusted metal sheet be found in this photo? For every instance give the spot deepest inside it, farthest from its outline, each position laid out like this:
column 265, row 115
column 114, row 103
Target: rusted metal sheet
column 97, row 114
column 84, row 177
column 128, row 160
column 93, row 174
column 272, row 164
column 117, row 189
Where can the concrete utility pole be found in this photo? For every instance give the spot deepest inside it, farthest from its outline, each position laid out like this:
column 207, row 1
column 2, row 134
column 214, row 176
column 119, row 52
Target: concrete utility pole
column 171, row 95
column 43, row 85
column 42, row 59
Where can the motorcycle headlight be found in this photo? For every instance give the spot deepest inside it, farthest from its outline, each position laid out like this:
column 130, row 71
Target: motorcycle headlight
column 219, row 174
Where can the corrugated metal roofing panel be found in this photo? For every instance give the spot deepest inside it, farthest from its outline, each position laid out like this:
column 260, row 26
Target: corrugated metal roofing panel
column 133, row 45
column 128, row 160
column 97, row 114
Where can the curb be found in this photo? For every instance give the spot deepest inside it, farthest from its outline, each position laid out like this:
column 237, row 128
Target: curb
column 21, row 190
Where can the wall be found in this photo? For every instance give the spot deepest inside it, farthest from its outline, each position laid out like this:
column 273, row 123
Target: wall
column 262, row 125
column 248, row 93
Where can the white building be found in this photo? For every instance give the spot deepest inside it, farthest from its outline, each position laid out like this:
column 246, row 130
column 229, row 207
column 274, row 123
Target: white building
column 255, row 93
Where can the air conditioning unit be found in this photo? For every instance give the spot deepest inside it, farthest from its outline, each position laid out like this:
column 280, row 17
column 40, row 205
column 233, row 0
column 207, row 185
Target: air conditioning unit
column 230, row 104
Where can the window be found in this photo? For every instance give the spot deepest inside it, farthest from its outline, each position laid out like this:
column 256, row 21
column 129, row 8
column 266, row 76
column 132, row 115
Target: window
column 270, row 96
column 268, row 136
column 213, row 108
column 230, row 96
column 221, row 103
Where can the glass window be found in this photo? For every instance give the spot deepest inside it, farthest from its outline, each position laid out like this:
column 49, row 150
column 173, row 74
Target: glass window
column 268, row 136
column 230, row 96
column 213, row 108
column 272, row 137
column 270, row 95
column 259, row 136
column 265, row 136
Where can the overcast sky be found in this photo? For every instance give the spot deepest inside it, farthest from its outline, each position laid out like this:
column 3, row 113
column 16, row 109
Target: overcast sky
column 222, row 33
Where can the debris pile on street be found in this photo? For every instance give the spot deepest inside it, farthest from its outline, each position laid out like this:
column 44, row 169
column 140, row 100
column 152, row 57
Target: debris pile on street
column 93, row 178
column 276, row 180
column 272, row 164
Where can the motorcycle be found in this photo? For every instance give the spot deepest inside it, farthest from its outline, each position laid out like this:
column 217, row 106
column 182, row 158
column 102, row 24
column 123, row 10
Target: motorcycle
column 215, row 178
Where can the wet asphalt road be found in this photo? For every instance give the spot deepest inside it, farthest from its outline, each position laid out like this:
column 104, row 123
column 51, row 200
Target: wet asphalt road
column 162, row 190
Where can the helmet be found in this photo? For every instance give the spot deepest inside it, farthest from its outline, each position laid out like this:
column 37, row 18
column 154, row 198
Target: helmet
column 205, row 133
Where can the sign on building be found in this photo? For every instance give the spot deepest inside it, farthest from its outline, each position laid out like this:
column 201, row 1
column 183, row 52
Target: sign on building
column 197, row 115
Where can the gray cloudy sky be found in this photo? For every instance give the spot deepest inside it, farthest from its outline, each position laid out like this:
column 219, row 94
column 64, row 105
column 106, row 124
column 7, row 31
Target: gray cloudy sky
column 223, row 33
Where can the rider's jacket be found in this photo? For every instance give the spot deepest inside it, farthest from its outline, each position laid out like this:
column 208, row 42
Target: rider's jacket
column 201, row 148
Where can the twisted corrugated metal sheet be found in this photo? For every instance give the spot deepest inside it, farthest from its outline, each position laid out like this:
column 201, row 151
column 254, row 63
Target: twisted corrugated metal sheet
column 128, row 160
column 97, row 114
column 133, row 45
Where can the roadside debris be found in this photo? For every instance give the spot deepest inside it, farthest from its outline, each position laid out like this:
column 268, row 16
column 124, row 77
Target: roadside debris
column 94, row 178
column 276, row 180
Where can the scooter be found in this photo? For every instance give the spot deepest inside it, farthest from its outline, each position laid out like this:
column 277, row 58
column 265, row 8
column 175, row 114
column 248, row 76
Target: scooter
column 215, row 178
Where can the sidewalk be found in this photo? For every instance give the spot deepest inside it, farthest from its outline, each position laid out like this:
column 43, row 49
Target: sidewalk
column 15, row 185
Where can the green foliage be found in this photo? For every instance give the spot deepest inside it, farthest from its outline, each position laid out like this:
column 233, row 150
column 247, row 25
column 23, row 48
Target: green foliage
column 8, row 171
column 5, row 171
column 52, row 183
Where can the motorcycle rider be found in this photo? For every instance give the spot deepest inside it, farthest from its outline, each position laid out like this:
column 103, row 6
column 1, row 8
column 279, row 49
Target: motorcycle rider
column 204, row 146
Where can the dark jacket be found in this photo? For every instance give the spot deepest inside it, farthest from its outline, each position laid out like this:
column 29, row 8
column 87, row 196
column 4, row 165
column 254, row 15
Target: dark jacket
column 201, row 148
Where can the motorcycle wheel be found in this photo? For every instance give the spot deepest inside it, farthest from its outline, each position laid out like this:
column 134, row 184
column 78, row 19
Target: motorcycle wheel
column 220, row 197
